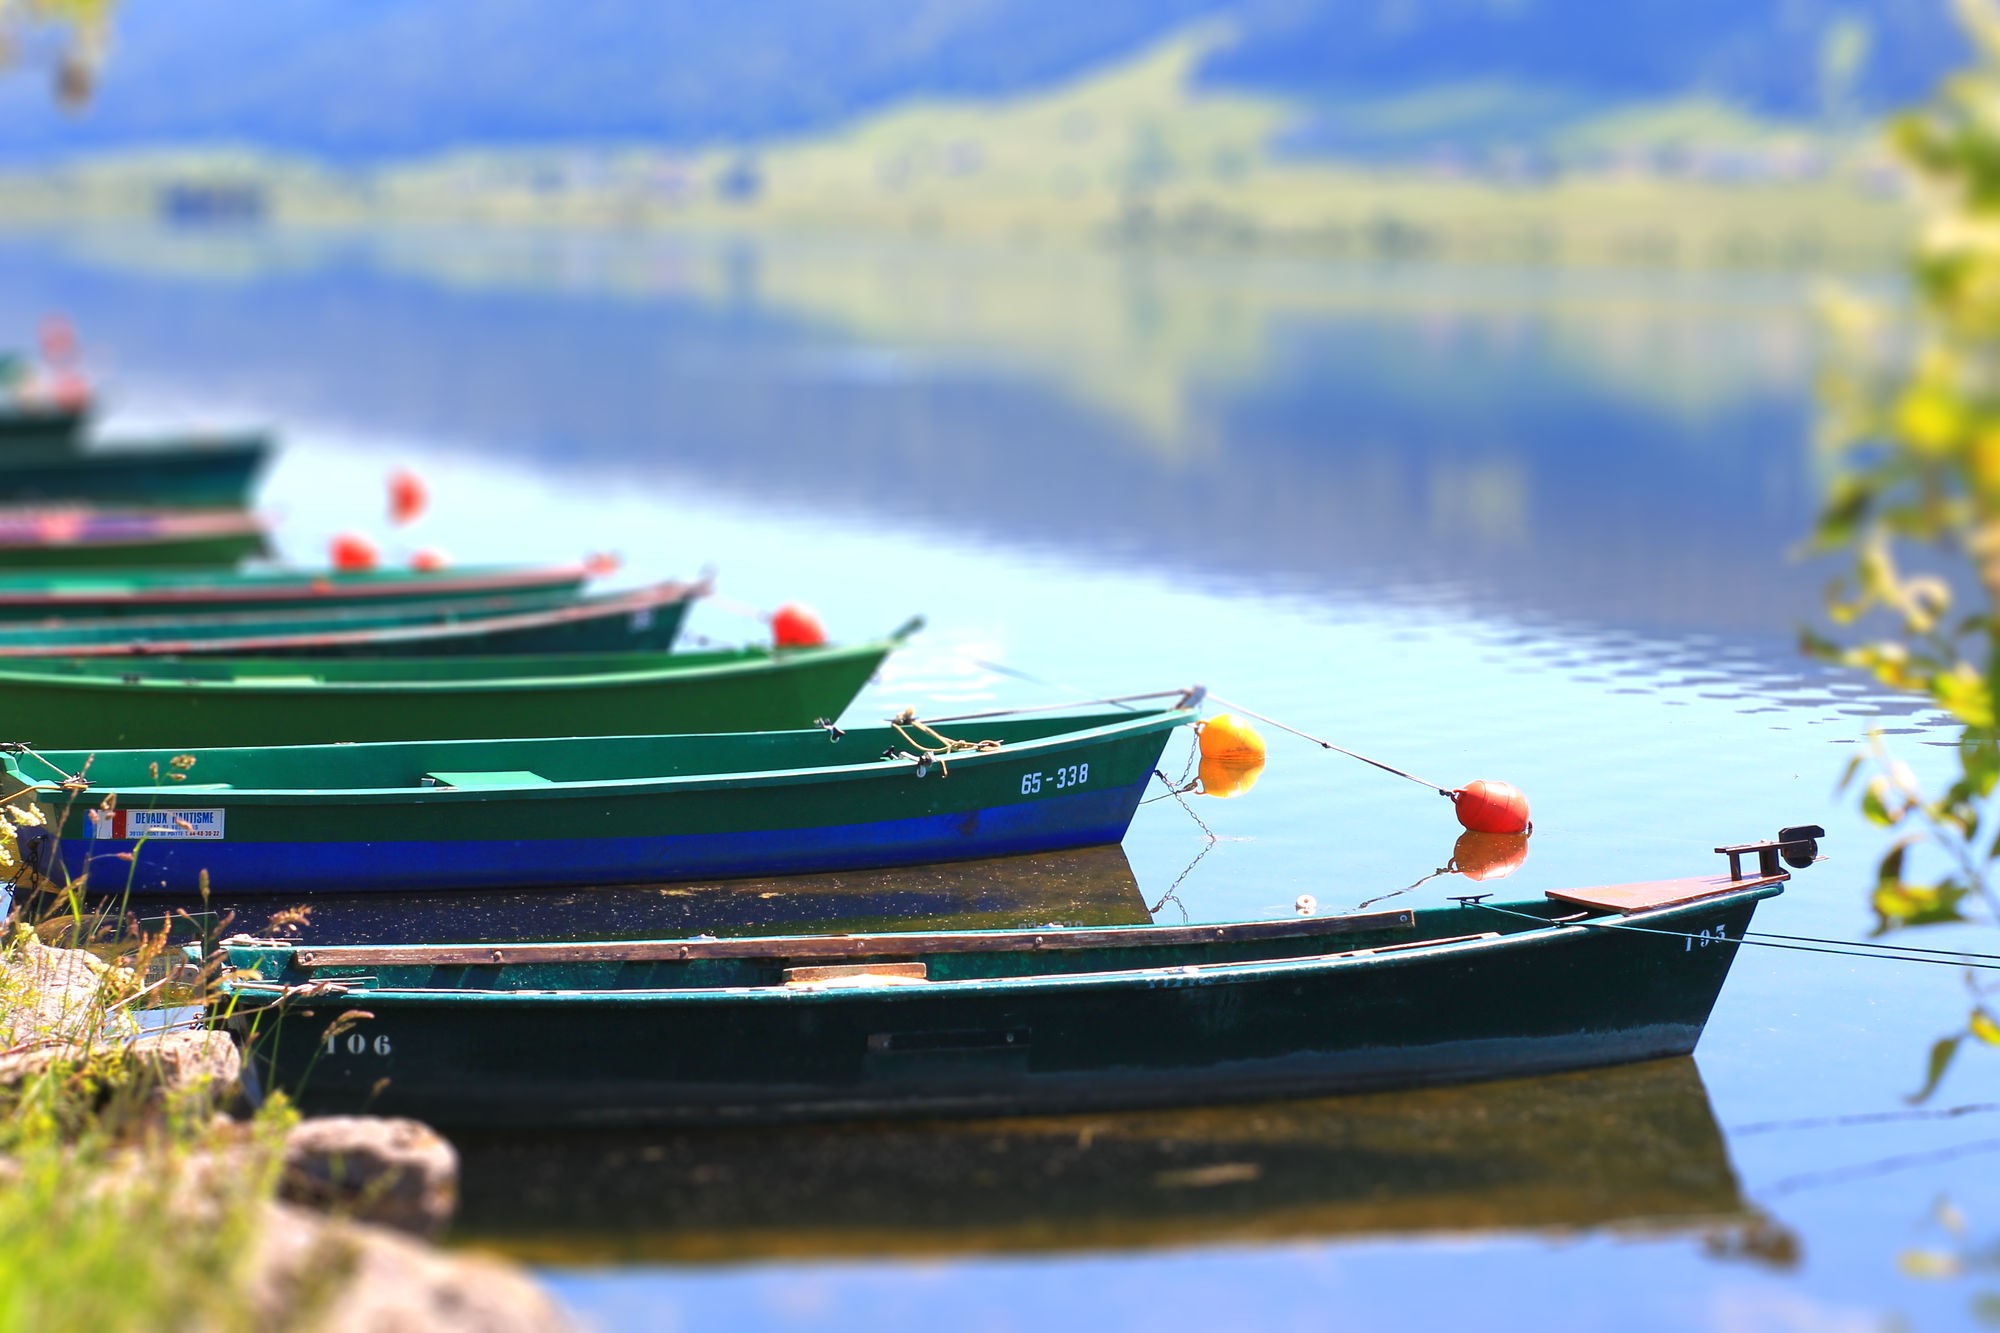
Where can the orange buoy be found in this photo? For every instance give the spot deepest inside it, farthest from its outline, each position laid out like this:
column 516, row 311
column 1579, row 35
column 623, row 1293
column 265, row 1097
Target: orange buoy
column 1225, row 778
column 58, row 338
column 427, row 561
column 352, row 552
column 600, row 564
column 1486, row 806
column 1484, row 856
column 1225, row 736
column 408, row 496
column 795, row 626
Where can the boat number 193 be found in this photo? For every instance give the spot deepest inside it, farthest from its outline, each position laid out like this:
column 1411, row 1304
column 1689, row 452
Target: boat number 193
column 1072, row 775
column 356, row 1043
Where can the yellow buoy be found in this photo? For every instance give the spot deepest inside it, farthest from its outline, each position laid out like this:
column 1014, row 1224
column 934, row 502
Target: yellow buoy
column 1225, row 736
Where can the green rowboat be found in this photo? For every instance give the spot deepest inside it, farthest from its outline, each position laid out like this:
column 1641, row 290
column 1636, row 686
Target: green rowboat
column 124, row 539
column 106, row 703
column 49, row 597
column 706, row 1029
column 31, row 429
column 424, row 816
column 182, row 473
column 641, row 620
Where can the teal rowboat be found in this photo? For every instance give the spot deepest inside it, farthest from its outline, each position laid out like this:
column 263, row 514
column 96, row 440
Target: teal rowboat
column 123, row 539
column 184, row 473
column 106, row 703
column 703, row 1029
column 428, row 816
column 641, row 620
column 44, row 598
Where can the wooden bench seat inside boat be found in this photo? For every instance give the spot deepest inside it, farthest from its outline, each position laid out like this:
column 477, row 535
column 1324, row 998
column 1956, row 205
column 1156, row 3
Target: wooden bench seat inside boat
column 519, row 777
column 1659, row 892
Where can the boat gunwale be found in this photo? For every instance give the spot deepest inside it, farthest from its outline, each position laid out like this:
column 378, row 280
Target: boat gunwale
column 329, row 585
column 1140, row 723
column 1170, row 976
column 755, row 658
column 652, row 597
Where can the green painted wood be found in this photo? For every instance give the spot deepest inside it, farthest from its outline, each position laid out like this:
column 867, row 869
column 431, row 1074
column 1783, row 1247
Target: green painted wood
column 180, row 472
column 535, row 621
column 1457, row 994
column 601, row 787
column 207, row 551
column 110, row 704
column 53, row 597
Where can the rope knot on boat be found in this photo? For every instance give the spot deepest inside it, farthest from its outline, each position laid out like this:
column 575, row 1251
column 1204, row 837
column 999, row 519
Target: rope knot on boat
column 926, row 755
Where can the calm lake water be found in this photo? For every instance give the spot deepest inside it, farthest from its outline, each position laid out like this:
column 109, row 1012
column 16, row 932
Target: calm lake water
column 1512, row 524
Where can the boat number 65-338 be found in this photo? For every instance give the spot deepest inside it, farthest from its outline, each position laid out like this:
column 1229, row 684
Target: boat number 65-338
column 1072, row 775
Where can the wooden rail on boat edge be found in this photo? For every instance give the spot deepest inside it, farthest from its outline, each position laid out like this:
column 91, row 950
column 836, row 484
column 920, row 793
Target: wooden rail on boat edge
column 835, row 946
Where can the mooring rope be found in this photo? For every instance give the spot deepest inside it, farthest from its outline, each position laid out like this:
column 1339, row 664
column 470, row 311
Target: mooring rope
column 1849, row 949
column 1325, row 744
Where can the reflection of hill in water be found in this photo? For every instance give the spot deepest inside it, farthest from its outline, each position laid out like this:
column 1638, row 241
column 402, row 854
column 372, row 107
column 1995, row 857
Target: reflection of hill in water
column 1618, row 448
column 1633, row 1148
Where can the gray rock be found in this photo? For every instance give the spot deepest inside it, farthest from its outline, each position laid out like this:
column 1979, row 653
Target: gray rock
column 397, row 1173
column 345, row 1277
column 152, row 1069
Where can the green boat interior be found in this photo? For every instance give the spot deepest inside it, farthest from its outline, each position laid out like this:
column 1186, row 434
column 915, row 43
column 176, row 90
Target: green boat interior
column 410, row 672
column 609, row 970
column 140, row 582
column 515, row 764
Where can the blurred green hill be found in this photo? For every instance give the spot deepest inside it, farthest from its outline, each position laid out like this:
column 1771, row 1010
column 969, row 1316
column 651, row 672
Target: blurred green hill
column 350, row 81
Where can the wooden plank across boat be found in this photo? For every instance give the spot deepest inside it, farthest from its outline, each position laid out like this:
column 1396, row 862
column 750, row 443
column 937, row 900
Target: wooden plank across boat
column 50, row 597
column 73, row 538
column 639, row 620
column 433, row 816
column 745, row 1029
column 163, row 704
column 191, row 472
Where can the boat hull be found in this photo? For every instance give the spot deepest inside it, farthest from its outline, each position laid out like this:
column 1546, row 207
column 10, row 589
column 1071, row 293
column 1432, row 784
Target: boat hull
column 26, row 431
column 47, row 598
column 764, row 692
column 1536, row 1001
column 863, row 813
column 218, row 474
column 529, row 625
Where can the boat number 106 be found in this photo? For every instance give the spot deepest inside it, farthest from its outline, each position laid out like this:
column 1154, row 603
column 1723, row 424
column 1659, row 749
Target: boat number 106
column 356, row 1043
column 1074, row 775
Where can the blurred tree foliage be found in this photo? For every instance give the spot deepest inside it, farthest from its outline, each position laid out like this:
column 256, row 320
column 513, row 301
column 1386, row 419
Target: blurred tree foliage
column 1911, row 417
column 69, row 33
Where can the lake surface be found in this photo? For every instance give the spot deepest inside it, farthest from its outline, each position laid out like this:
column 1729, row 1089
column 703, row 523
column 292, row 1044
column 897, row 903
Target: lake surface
column 1514, row 524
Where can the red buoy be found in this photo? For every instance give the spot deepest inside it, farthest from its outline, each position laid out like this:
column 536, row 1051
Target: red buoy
column 408, row 496
column 352, row 552
column 427, row 561
column 1491, row 807
column 795, row 626
column 601, row 564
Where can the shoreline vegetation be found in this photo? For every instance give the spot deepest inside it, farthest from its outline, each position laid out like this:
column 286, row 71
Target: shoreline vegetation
column 139, row 1190
column 1138, row 155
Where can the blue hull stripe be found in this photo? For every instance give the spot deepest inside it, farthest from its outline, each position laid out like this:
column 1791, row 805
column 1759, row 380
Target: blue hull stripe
column 1080, row 819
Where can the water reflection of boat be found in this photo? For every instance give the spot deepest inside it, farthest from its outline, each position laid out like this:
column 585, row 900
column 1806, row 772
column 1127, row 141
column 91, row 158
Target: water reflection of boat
column 1091, row 886
column 1634, row 1148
